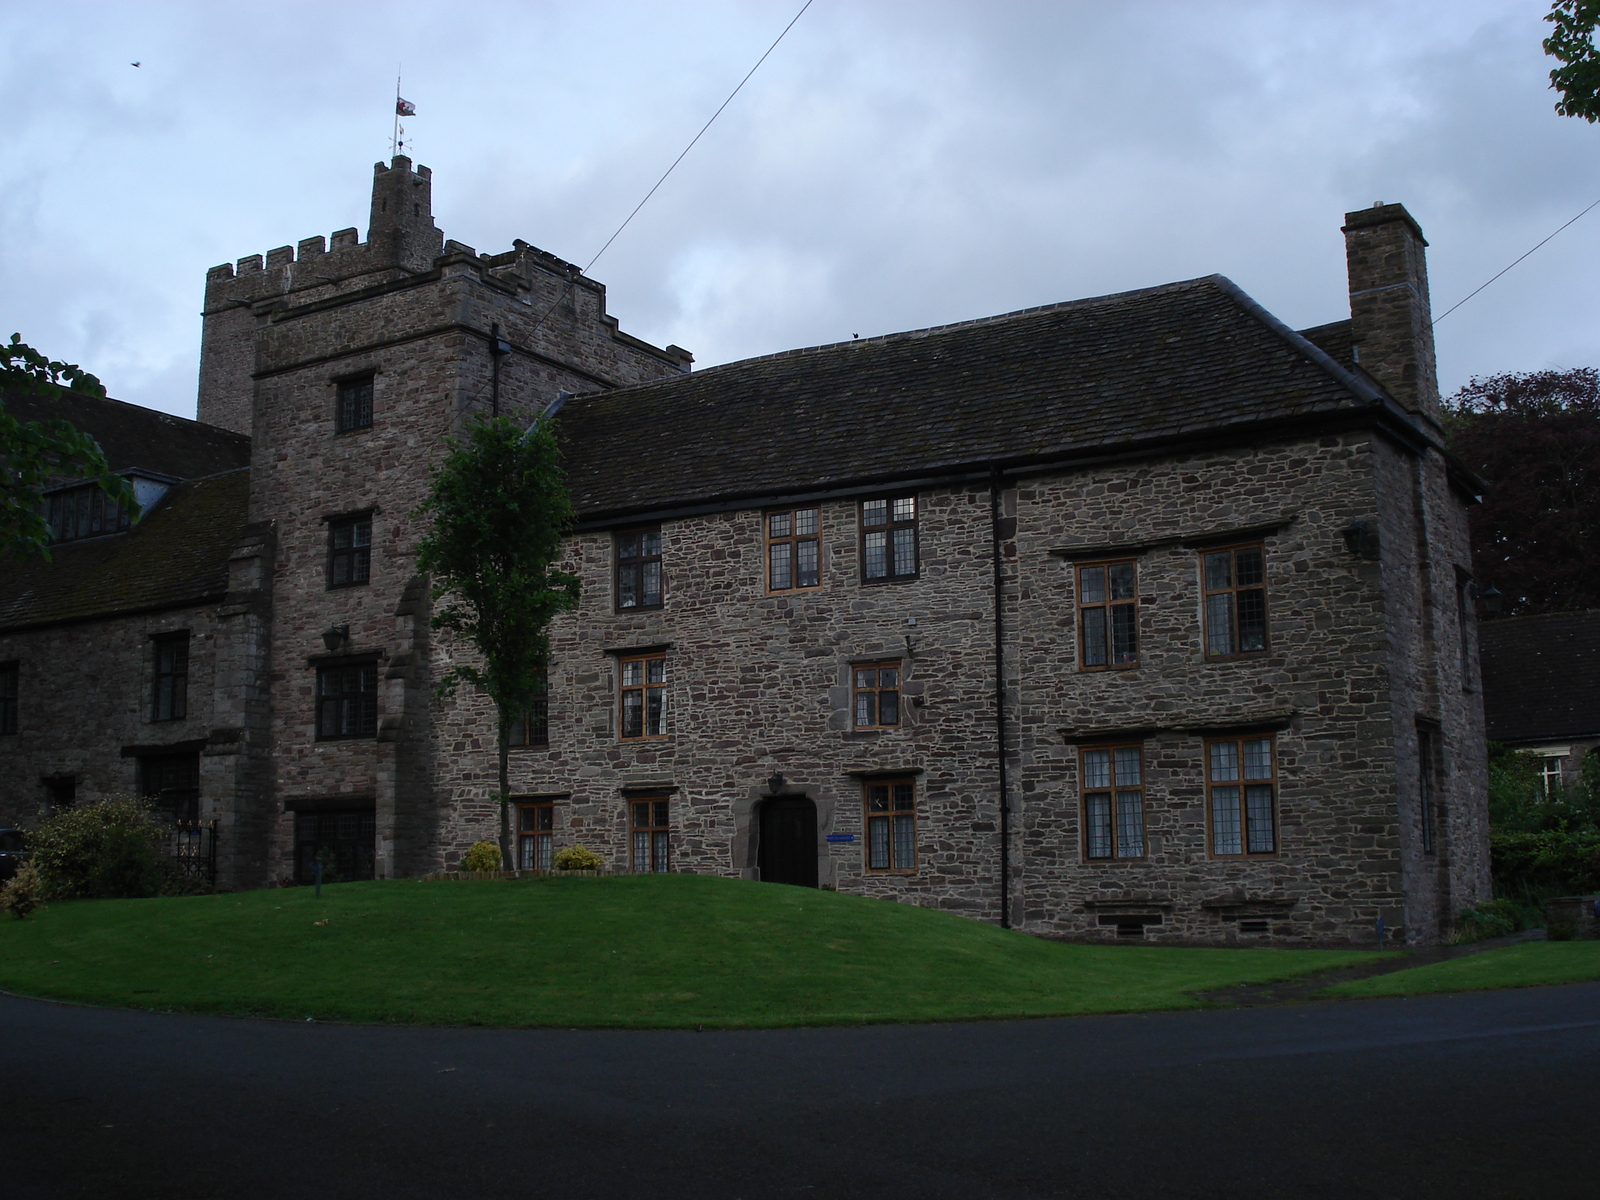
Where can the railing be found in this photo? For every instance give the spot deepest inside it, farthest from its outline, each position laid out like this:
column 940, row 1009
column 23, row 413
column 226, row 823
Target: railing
column 192, row 847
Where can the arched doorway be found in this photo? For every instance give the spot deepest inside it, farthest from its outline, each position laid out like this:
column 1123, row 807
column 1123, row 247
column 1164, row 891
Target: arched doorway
column 787, row 841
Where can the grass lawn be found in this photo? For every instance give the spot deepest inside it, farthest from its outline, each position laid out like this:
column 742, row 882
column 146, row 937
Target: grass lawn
column 640, row 951
column 1528, row 964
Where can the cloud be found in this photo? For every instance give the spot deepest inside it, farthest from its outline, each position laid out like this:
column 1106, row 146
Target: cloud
column 891, row 165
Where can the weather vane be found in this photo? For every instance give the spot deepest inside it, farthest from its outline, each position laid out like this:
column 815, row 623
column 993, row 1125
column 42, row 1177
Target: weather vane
column 402, row 108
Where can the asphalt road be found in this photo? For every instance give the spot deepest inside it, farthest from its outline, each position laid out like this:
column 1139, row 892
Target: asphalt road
column 1481, row 1095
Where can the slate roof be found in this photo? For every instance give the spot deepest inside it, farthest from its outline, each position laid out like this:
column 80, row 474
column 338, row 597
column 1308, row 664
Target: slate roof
column 1155, row 367
column 176, row 555
column 140, row 437
column 1541, row 676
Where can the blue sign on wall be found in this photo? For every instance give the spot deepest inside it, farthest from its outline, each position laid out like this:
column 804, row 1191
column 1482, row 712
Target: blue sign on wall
column 841, row 837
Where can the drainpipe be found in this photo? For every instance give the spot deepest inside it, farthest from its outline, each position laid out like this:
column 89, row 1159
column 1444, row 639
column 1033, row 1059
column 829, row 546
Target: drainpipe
column 995, row 481
column 498, row 347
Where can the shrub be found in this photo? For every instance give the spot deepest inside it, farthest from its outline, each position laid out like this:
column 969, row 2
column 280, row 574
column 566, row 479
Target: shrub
column 111, row 849
column 20, row 896
column 1494, row 918
column 576, row 858
column 481, row 856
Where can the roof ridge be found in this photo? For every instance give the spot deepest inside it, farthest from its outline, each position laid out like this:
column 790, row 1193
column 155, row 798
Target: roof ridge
column 907, row 334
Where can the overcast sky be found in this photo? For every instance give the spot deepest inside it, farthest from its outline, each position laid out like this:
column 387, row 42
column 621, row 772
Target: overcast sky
column 891, row 166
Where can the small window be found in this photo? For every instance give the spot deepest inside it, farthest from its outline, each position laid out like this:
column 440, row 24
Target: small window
column 1550, row 773
column 173, row 782
column 170, row 699
column 9, row 674
column 889, row 539
column 1429, row 764
column 876, row 695
column 1112, row 781
column 1241, row 785
column 1108, row 615
column 533, row 727
column 536, row 822
column 1235, row 601
column 355, row 404
column 83, row 512
column 891, row 820
column 639, row 569
column 643, row 696
column 648, row 831
column 61, row 791
column 349, row 551
column 347, row 701
column 794, row 549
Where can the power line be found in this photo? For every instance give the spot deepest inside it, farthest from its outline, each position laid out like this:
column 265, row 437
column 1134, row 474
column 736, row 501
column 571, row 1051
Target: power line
column 1481, row 286
column 569, row 284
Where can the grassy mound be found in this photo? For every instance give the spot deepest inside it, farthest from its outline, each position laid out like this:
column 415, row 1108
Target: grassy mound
column 634, row 951
column 1530, row 964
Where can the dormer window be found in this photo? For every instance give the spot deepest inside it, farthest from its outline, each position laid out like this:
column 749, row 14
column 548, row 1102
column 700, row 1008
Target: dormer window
column 83, row 512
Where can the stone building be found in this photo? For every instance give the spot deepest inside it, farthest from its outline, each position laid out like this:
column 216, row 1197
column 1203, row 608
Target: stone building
column 1141, row 616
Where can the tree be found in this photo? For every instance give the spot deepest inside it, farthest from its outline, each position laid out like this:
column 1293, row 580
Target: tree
column 34, row 453
column 1535, row 438
column 1572, row 43
column 498, row 509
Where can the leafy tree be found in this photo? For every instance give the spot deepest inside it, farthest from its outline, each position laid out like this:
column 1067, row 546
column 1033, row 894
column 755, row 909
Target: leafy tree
column 498, row 509
column 35, row 453
column 1572, row 43
column 1536, row 438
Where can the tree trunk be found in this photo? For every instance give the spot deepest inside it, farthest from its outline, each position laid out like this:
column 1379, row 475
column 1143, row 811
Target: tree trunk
column 507, row 862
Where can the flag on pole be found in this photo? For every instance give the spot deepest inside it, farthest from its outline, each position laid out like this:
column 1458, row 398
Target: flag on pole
column 404, row 108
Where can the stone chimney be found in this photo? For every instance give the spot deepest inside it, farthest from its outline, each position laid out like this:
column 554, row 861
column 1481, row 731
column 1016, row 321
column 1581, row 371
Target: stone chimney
column 401, row 230
column 1391, row 323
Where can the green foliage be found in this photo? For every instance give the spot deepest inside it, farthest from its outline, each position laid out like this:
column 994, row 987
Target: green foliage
column 481, row 856
column 34, row 454
column 497, row 512
column 1493, row 918
column 21, row 894
column 576, row 858
column 1540, row 845
column 1572, row 44
column 111, row 849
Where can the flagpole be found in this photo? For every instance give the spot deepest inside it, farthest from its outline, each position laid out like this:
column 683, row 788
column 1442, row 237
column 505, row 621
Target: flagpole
column 394, row 142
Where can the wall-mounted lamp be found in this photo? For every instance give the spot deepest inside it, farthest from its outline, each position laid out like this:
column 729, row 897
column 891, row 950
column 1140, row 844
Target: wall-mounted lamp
column 1492, row 600
column 1361, row 539
column 335, row 637
column 775, row 782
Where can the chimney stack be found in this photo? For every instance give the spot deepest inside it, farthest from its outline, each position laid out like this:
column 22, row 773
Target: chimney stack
column 1391, row 322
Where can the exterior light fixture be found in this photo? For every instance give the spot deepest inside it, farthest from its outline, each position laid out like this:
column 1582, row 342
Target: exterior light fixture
column 1492, row 600
column 1361, row 539
column 336, row 636
column 775, row 782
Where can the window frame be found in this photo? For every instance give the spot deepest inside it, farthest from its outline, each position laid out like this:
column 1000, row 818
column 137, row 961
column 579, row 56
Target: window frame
column 1114, row 790
column 1430, row 780
column 1241, row 782
column 872, row 820
column 1106, row 606
column 535, row 829
column 793, row 540
column 353, row 413
column 888, row 528
column 10, row 697
column 531, row 730
column 186, row 806
column 656, row 850
column 1233, row 590
column 102, row 515
column 358, row 556
column 366, row 715
column 169, row 686
column 644, row 686
column 1552, row 774
column 878, row 690
column 637, row 562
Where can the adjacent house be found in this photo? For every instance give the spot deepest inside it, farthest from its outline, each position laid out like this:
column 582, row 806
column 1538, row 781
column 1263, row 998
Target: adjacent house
column 1541, row 688
column 1140, row 616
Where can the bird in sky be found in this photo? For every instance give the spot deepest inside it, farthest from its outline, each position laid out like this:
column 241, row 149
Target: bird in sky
column 133, row 64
